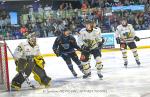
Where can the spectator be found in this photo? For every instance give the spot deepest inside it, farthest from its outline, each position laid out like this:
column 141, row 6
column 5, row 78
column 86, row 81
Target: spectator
column 84, row 5
column 24, row 30
column 140, row 22
column 17, row 34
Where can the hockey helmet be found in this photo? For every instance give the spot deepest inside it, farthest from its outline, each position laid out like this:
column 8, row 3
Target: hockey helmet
column 124, row 21
column 66, row 31
column 32, row 39
column 88, row 21
column 89, row 25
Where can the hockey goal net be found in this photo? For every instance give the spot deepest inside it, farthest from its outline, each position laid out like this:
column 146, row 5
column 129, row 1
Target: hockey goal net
column 4, row 74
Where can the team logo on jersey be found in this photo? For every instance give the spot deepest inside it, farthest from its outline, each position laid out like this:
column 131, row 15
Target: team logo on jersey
column 65, row 46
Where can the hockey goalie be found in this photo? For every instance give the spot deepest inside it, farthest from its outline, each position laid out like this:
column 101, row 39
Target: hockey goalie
column 29, row 60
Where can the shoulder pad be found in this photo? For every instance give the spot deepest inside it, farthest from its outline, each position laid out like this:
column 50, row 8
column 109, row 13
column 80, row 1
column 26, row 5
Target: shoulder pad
column 22, row 44
column 129, row 25
column 119, row 26
column 82, row 30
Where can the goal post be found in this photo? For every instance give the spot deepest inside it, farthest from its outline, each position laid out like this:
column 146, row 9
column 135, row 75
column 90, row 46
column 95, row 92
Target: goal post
column 4, row 72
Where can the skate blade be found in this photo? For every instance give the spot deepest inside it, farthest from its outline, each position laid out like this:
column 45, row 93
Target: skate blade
column 101, row 78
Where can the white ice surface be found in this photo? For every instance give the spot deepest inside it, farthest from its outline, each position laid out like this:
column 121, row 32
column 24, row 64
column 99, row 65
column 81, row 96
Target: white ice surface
column 117, row 82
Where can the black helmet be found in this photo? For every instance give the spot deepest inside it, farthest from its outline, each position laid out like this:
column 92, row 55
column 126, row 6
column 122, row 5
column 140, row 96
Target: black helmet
column 66, row 29
column 124, row 19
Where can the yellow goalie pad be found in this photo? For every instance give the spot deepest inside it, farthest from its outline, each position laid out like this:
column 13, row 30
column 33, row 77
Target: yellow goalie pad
column 39, row 61
column 37, row 78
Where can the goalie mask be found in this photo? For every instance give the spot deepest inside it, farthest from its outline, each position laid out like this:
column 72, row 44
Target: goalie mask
column 32, row 39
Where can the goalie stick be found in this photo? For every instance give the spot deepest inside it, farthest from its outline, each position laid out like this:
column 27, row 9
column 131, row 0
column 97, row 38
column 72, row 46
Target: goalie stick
column 27, row 79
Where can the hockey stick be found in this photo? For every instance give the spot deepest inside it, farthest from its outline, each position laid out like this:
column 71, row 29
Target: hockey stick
column 145, row 38
column 91, row 45
column 27, row 79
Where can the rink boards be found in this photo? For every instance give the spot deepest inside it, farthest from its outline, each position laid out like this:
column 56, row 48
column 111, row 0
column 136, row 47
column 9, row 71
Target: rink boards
column 46, row 44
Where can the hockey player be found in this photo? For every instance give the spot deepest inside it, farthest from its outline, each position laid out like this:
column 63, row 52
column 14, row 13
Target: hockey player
column 65, row 46
column 90, row 41
column 28, row 59
column 98, row 32
column 125, row 36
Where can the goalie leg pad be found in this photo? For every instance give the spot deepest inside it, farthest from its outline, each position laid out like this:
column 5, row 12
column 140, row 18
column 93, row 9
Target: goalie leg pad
column 40, row 76
column 20, row 64
column 24, row 72
column 17, row 81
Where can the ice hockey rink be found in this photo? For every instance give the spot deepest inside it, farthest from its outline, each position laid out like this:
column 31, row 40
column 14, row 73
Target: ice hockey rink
column 117, row 82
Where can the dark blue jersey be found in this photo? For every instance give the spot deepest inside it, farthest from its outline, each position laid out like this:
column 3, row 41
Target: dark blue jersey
column 65, row 44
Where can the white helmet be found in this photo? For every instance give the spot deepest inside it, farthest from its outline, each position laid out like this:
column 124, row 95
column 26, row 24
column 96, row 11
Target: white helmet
column 32, row 39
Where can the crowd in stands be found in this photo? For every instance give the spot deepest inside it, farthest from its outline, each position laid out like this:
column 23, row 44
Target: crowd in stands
column 55, row 21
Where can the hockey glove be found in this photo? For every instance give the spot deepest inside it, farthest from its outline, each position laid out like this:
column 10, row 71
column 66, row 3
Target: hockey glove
column 79, row 49
column 100, row 44
column 136, row 38
column 118, row 40
column 57, row 52
column 85, row 48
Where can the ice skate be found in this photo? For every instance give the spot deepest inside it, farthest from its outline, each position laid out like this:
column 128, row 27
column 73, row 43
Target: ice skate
column 100, row 76
column 125, row 64
column 138, row 62
column 74, row 73
column 87, row 75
